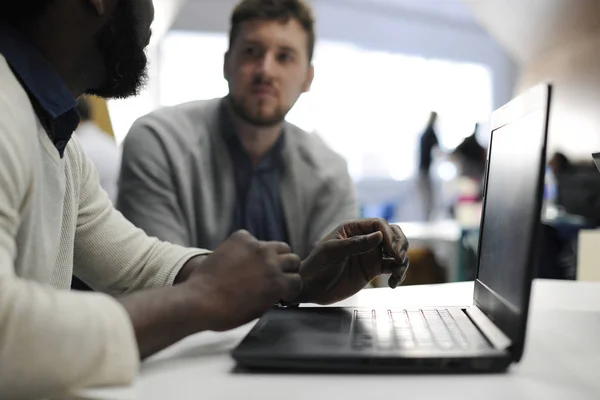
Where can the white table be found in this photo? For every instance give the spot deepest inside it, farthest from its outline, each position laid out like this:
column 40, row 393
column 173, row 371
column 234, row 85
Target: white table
column 561, row 361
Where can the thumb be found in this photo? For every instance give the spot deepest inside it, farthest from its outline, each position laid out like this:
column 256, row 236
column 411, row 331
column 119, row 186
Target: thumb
column 358, row 244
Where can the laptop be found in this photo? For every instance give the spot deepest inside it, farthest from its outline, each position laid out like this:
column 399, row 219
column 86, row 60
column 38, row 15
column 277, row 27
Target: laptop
column 596, row 157
column 487, row 336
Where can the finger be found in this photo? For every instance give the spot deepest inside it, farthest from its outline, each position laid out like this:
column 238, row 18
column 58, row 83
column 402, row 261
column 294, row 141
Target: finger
column 355, row 245
column 289, row 263
column 394, row 242
column 242, row 234
column 390, row 266
column 397, row 271
column 397, row 277
column 279, row 247
column 401, row 242
column 292, row 287
column 394, row 282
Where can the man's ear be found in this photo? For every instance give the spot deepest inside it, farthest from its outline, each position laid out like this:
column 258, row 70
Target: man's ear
column 309, row 78
column 226, row 66
column 99, row 6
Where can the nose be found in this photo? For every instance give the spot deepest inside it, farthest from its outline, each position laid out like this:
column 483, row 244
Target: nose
column 267, row 64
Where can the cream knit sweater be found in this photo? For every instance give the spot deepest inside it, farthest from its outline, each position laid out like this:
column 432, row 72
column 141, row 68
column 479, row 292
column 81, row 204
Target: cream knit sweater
column 55, row 220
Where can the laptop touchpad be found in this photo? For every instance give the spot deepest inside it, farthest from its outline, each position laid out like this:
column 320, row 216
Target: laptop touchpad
column 305, row 330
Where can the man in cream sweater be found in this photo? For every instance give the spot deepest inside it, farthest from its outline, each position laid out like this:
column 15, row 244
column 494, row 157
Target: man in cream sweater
column 56, row 221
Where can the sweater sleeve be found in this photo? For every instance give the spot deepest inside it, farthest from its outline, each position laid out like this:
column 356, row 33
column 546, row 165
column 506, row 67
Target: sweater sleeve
column 111, row 254
column 51, row 342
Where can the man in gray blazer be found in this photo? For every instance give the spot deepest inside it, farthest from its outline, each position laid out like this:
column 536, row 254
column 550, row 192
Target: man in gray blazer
column 195, row 173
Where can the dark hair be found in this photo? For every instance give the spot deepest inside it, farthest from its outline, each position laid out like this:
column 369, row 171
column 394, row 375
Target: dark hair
column 471, row 150
column 274, row 10
column 561, row 162
column 22, row 10
column 84, row 108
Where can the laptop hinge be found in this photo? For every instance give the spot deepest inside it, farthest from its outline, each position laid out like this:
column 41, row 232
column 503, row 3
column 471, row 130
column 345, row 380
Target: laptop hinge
column 489, row 329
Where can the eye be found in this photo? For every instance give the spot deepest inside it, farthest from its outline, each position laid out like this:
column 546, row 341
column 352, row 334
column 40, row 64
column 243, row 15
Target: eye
column 251, row 51
column 285, row 57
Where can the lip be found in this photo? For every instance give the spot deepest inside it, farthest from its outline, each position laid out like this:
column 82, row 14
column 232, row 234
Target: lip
column 263, row 90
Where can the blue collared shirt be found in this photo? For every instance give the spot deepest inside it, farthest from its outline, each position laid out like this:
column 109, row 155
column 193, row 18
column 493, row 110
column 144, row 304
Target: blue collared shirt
column 51, row 99
column 258, row 204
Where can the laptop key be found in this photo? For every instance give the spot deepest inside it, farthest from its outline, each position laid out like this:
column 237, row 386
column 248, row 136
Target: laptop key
column 411, row 329
column 363, row 315
column 407, row 342
column 386, row 344
column 362, row 345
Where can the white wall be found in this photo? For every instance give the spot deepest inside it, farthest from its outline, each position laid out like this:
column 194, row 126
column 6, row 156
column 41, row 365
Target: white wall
column 383, row 27
column 205, row 15
column 557, row 41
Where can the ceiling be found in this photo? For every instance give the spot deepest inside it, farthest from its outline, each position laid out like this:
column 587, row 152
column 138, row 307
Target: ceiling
column 532, row 28
column 453, row 12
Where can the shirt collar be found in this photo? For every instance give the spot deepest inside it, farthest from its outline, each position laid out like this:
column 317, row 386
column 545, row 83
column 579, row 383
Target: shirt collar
column 42, row 83
column 272, row 160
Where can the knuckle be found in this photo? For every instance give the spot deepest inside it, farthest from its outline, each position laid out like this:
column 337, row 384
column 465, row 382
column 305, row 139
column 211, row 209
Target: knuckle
column 291, row 263
column 254, row 244
column 242, row 235
column 285, row 248
column 295, row 259
column 272, row 266
column 265, row 251
column 377, row 224
column 323, row 247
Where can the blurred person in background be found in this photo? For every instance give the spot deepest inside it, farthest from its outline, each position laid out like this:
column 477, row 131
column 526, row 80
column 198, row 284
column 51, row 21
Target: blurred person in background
column 56, row 221
column 194, row 173
column 560, row 164
column 428, row 142
column 577, row 190
column 471, row 158
column 100, row 147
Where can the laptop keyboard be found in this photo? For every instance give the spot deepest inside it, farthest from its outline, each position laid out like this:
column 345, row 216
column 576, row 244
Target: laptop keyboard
column 410, row 330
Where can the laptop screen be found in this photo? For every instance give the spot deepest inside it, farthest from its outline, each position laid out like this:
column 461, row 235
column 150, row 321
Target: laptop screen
column 511, row 218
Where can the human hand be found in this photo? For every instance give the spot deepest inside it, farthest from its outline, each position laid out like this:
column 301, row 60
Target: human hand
column 242, row 279
column 350, row 257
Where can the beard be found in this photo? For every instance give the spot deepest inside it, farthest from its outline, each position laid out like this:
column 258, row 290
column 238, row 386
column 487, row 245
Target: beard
column 248, row 114
column 123, row 55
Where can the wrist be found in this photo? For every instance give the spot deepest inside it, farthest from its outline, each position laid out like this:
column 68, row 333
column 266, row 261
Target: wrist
column 184, row 318
column 160, row 317
column 199, row 311
column 188, row 268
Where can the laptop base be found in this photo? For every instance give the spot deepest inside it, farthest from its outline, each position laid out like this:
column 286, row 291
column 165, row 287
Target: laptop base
column 324, row 340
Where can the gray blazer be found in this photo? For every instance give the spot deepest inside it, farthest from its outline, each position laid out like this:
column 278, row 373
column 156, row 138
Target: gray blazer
column 177, row 180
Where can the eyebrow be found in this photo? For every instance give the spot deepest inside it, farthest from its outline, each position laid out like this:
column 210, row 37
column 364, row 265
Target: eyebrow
column 247, row 42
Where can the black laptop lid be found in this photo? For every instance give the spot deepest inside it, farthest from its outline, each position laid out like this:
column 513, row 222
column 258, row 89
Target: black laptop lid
column 511, row 212
column 596, row 157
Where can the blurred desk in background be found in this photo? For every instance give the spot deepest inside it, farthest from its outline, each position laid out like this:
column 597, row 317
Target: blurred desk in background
column 455, row 243
column 559, row 251
column 588, row 255
column 442, row 237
